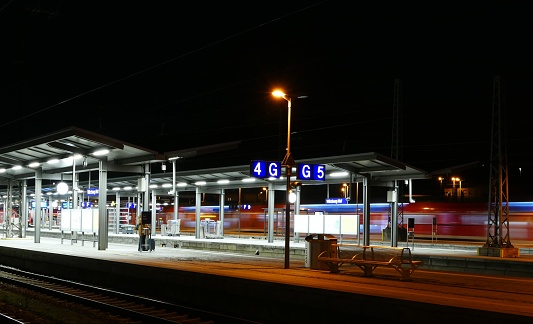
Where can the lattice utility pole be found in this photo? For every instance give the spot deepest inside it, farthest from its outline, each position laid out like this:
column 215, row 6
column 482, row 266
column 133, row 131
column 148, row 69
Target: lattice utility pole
column 498, row 232
column 396, row 210
column 396, row 152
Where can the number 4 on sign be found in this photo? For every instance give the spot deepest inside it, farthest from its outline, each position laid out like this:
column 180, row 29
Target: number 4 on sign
column 258, row 169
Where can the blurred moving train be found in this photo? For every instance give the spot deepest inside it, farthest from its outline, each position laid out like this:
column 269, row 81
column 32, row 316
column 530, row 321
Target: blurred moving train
column 442, row 220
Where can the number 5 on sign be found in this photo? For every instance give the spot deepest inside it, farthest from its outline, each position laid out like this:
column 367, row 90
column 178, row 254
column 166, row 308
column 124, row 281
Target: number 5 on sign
column 319, row 172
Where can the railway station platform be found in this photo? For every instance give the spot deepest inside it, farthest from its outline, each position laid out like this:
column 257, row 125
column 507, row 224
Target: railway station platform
column 245, row 276
column 460, row 256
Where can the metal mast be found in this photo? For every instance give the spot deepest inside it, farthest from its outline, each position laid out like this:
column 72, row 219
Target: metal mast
column 395, row 210
column 498, row 232
column 397, row 121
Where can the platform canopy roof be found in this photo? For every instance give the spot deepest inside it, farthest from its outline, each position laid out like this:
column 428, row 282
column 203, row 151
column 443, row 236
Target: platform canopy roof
column 60, row 154
column 379, row 169
column 126, row 164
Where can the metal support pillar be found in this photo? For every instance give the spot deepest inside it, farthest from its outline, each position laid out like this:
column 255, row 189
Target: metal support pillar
column 102, row 202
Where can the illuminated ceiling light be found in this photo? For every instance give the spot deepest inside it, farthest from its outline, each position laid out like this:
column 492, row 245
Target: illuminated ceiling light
column 152, row 186
column 248, row 180
column 68, row 160
column 49, row 193
column 166, row 185
column 116, row 188
column 62, row 188
column 17, row 167
column 77, row 156
column 101, row 152
column 127, row 188
column 223, row 181
column 34, row 164
column 338, row 174
column 200, row 183
column 182, row 184
column 2, row 170
column 52, row 161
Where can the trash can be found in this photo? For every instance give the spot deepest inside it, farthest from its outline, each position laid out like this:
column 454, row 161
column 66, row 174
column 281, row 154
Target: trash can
column 314, row 245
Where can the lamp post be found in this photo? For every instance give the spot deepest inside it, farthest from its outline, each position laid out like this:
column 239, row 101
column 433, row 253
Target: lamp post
column 288, row 162
column 344, row 190
column 454, row 193
column 461, row 189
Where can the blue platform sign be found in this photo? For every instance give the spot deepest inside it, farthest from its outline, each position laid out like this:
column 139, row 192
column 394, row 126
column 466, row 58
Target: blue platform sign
column 311, row 172
column 336, row 201
column 92, row 192
column 265, row 169
column 86, row 204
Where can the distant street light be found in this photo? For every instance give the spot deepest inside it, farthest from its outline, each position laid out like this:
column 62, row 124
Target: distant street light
column 344, row 190
column 455, row 192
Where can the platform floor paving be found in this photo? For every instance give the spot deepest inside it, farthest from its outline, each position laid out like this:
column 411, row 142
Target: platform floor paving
column 502, row 294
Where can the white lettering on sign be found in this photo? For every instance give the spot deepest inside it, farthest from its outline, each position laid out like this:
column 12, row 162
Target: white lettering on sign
column 92, row 191
column 273, row 170
column 257, row 169
column 306, row 171
column 320, row 173
column 336, row 201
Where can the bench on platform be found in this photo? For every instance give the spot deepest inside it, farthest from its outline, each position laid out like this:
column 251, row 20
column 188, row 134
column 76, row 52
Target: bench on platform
column 340, row 254
column 369, row 257
column 75, row 234
column 398, row 258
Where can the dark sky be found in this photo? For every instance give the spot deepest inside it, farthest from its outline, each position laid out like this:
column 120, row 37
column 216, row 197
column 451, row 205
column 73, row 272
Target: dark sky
column 169, row 76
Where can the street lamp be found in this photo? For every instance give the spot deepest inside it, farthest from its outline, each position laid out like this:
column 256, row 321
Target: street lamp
column 344, row 190
column 288, row 162
column 455, row 192
column 288, row 159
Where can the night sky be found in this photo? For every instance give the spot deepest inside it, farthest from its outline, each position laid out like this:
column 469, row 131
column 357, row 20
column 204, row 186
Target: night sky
column 169, row 76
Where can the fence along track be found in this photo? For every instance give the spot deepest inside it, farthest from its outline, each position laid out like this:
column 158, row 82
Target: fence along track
column 136, row 308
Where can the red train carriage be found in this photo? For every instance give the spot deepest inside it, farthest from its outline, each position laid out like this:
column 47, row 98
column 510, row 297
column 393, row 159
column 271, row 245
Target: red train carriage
column 460, row 221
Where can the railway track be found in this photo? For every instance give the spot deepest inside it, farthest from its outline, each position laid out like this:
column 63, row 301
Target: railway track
column 105, row 303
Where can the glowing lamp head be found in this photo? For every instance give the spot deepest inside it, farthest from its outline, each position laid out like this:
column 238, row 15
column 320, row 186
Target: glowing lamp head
column 292, row 197
column 278, row 93
column 62, row 188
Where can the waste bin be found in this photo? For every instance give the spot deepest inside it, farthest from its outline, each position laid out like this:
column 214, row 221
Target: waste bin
column 314, row 245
